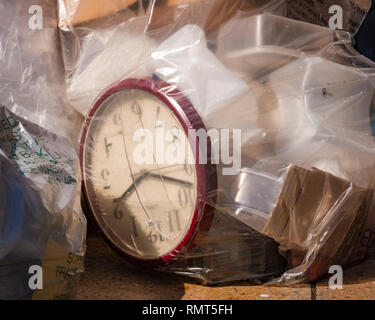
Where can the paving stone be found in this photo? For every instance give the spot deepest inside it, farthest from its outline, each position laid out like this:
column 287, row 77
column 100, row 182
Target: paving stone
column 108, row 276
column 358, row 284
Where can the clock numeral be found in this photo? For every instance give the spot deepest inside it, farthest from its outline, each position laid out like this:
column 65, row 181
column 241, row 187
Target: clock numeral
column 136, row 108
column 105, row 175
column 152, row 237
column 175, row 132
column 117, row 119
column 157, row 113
column 118, row 213
column 134, row 227
column 185, row 197
column 188, row 169
column 108, row 147
column 174, row 220
column 159, row 231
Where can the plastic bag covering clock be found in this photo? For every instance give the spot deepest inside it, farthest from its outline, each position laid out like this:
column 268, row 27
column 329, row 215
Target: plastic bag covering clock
column 290, row 169
column 39, row 169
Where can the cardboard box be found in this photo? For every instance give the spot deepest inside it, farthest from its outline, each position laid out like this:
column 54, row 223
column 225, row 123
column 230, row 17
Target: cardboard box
column 207, row 13
column 74, row 12
column 320, row 214
column 62, row 272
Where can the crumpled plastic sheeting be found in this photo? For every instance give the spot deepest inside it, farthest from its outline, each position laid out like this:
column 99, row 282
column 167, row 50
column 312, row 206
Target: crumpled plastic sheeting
column 311, row 106
column 184, row 60
column 40, row 199
column 131, row 44
column 39, row 175
column 31, row 69
column 24, row 224
column 303, row 99
column 103, row 62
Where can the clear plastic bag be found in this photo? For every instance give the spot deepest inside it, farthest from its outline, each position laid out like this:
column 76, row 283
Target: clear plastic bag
column 31, row 78
column 39, row 168
column 193, row 143
column 346, row 15
column 40, row 201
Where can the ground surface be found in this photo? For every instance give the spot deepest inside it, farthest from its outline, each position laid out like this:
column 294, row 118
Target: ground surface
column 108, row 276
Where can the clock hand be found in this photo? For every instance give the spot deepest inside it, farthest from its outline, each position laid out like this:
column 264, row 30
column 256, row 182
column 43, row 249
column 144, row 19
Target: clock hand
column 144, row 174
column 128, row 191
column 159, row 169
column 170, row 179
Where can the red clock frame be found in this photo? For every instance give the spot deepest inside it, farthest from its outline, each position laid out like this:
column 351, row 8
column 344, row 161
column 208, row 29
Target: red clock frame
column 189, row 118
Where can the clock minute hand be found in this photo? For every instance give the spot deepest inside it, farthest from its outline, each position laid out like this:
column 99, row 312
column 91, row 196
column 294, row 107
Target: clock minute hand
column 170, row 179
column 144, row 175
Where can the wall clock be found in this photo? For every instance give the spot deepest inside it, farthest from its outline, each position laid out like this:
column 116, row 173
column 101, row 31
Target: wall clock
column 148, row 211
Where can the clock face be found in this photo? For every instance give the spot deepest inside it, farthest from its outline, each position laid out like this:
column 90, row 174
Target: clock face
column 148, row 208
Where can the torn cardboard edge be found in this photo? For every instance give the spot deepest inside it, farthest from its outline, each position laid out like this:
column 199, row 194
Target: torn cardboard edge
column 319, row 217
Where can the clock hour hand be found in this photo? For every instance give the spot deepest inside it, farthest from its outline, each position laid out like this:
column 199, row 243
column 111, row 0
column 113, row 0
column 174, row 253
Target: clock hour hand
column 130, row 190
